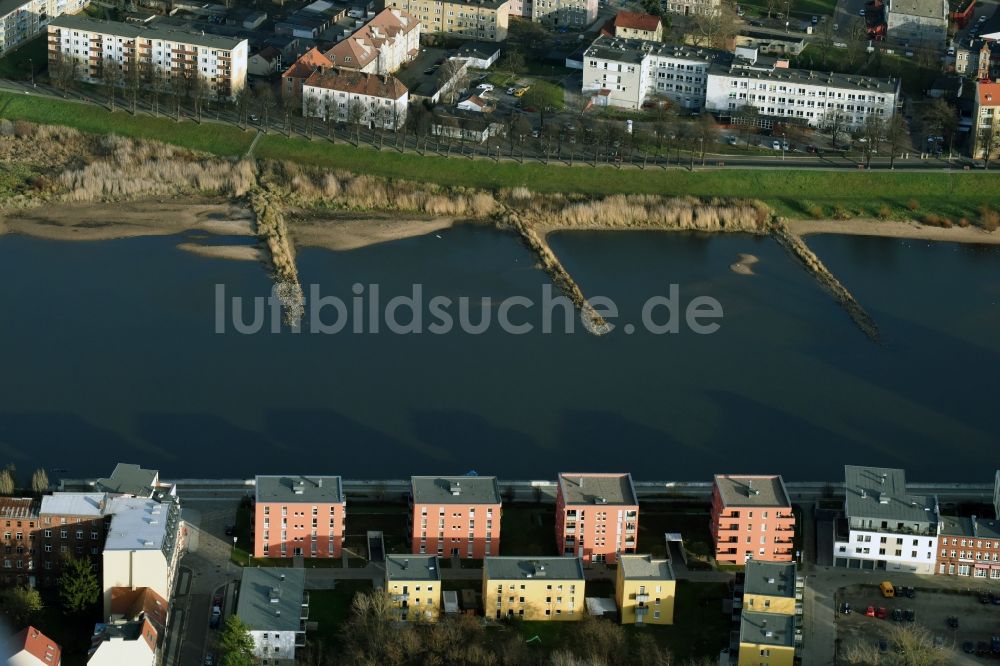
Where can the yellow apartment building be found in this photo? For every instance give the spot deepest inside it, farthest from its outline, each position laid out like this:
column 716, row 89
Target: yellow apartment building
column 771, row 613
column 766, row 639
column 645, row 590
column 547, row 588
column 414, row 586
column 769, row 587
column 483, row 20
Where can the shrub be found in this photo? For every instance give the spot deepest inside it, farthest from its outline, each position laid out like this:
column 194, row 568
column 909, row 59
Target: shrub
column 989, row 219
column 935, row 220
column 814, row 211
column 963, row 222
column 912, row 205
column 841, row 213
column 883, row 212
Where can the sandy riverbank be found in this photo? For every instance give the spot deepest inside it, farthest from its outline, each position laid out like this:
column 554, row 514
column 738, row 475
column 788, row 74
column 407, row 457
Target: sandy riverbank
column 744, row 265
column 107, row 221
column 893, row 229
column 344, row 230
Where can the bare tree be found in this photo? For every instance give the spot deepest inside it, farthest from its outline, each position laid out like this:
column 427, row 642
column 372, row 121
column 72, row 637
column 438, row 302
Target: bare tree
column 111, row 79
column 242, row 106
column 716, row 29
column 265, row 104
column 63, row 70
column 355, row 116
column 311, row 110
column 898, row 136
column 988, row 141
column 133, row 74
column 873, row 131
column 834, row 122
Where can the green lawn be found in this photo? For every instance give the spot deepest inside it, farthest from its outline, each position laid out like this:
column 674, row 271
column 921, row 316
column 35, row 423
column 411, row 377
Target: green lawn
column 691, row 522
column 528, row 529
column 857, row 193
column 331, row 607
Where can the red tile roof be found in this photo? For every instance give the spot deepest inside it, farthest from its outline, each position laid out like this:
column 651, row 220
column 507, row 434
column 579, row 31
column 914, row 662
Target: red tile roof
column 989, row 94
column 37, row 644
column 637, row 21
column 364, row 44
column 307, row 63
column 358, row 83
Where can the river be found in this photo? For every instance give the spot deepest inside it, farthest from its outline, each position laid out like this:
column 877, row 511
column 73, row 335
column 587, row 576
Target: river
column 111, row 353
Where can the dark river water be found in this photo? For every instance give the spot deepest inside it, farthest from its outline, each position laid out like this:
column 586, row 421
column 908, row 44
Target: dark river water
column 110, row 352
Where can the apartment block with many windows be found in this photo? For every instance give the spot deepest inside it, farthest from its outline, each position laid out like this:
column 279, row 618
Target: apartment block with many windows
column 483, row 20
column 548, row 588
column 885, row 527
column 414, row 586
column 19, row 521
column 597, row 516
column 21, row 21
column 752, row 518
column 99, row 51
column 70, row 525
column 645, row 590
column 769, row 596
column 349, row 96
column 455, row 516
column 569, row 14
column 299, row 516
column 969, row 547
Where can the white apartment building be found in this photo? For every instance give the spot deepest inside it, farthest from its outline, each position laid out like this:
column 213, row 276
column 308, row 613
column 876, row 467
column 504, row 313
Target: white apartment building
column 143, row 545
column 220, row 63
column 351, row 96
column 20, row 21
column 780, row 93
column 274, row 606
column 381, row 46
column 917, row 22
column 629, row 72
column 693, row 7
column 885, row 528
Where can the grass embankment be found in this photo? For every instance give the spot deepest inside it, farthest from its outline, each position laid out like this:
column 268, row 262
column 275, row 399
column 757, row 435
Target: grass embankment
column 790, row 192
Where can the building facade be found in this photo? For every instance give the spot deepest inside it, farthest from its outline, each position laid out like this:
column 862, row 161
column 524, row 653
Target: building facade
column 274, row 605
column 30, row 647
column 371, row 100
column 766, row 639
column 885, row 527
column 549, row 588
column 132, row 643
column 487, row 20
column 21, row 21
column 693, row 7
column 769, row 596
column 781, row 94
column 69, row 525
column 413, row 583
column 635, row 25
column 752, row 518
column 455, row 516
column 381, row 46
column 299, row 516
column 645, row 590
column 300, row 70
column 597, row 516
column 101, row 51
column 19, row 519
column 569, row 14
column 917, row 22
column 969, row 547
column 633, row 72
column 985, row 120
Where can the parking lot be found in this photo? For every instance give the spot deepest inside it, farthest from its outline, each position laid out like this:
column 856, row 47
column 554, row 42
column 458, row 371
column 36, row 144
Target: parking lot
column 977, row 622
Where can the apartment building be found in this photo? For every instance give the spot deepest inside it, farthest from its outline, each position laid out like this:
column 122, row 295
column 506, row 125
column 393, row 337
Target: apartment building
column 885, row 527
column 30, row 647
column 413, row 583
column 752, row 518
column 781, row 94
column 548, row 588
column 130, row 479
column 483, row 20
column 772, row 587
column 693, row 7
column 19, row 519
column 348, row 96
column 917, row 22
column 597, row 516
column 766, row 639
column 629, row 72
column 274, row 605
column 636, row 25
column 986, row 120
column 212, row 65
column 645, row 590
column 383, row 45
column 298, row 516
column 69, row 525
column 143, row 545
column 969, row 547
column 565, row 14
column 21, row 21
column 300, row 70
column 455, row 516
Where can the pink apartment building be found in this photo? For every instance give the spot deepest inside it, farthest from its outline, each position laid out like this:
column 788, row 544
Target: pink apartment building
column 752, row 518
column 455, row 516
column 299, row 515
column 597, row 516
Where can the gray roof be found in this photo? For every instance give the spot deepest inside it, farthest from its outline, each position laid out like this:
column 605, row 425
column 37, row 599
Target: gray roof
column 412, row 567
column 455, row 489
column 767, row 629
column 271, row 598
column 752, row 490
column 139, row 523
column 597, row 488
column 880, row 493
column 132, row 30
column 932, row 9
column 774, row 579
column 620, row 49
column 479, row 50
column 73, row 504
column 644, row 567
column 291, row 489
column 764, row 69
column 129, row 479
column 524, row 568
column 963, row 526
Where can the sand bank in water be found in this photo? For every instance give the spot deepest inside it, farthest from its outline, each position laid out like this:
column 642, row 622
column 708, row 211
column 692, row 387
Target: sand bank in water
column 744, row 266
column 344, row 230
column 893, row 229
column 238, row 252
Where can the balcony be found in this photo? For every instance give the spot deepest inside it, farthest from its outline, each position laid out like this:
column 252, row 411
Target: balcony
column 642, row 598
column 641, row 611
column 401, row 598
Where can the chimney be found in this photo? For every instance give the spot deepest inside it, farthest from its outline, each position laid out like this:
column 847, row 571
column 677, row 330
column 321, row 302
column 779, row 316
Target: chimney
column 319, row 482
column 975, row 526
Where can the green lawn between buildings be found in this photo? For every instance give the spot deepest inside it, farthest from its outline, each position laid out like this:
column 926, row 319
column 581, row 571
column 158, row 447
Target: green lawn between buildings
column 790, row 192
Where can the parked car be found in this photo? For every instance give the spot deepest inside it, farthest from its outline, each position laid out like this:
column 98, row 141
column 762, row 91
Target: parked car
column 815, row 20
column 209, row 659
column 995, row 645
column 511, row 90
column 909, row 615
column 216, row 618
column 968, row 647
column 845, row 608
column 785, row 146
column 897, row 614
column 486, row 87
column 521, row 91
column 776, row 145
column 996, row 599
column 882, row 613
column 731, row 140
column 985, row 598
column 909, row 592
column 870, row 611
column 953, row 622
column 861, row 12
column 888, row 591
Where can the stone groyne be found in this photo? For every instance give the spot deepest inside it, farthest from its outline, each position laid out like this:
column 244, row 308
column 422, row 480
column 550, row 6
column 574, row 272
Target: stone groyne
column 272, row 230
column 797, row 248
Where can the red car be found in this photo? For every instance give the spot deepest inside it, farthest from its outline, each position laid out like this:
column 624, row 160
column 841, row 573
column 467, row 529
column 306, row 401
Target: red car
column 870, row 611
column 882, row 613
